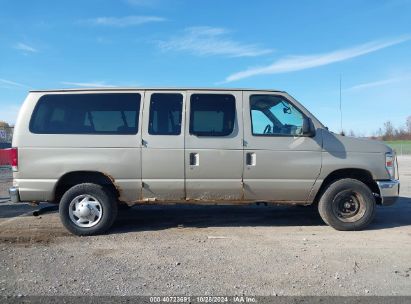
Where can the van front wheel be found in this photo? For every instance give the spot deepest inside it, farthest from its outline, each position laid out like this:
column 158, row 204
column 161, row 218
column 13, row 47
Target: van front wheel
column 347, row 204
column 88, row 209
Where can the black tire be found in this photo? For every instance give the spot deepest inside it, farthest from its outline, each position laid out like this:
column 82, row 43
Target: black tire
column 347, row 204
column 106, row 200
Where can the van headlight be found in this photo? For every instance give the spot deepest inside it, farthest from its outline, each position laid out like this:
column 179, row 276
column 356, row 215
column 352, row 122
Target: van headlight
column 389, row 164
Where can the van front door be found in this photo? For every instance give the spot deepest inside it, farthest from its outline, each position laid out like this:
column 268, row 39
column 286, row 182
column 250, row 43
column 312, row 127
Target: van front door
column 214, row 152
column 163, row 145
column 280, row 164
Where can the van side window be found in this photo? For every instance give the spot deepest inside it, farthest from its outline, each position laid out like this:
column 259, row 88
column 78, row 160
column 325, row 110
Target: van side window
column 102, row 113
column 273, row 115
column 212, row 114
column 165, row 114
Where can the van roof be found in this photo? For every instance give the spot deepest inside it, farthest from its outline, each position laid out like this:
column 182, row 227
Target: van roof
column 153, row 89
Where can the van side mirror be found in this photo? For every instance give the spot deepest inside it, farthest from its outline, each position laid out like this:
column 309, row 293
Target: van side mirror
column 308, row 127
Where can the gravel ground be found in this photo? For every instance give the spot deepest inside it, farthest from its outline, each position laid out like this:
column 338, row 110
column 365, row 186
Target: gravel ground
column 5, row 181
column 182, row 250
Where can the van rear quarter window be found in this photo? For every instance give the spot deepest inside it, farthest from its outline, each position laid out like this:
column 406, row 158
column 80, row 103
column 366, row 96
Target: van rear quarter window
column 108, row 113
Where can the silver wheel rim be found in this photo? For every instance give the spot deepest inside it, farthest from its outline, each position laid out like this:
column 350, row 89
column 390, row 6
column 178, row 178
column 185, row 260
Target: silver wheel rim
column 85, row 211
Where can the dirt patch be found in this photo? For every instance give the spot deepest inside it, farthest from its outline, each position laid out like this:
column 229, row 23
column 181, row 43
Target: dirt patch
column 26, row 240
column 104, row 252
column 30, row 230
column 27, row 237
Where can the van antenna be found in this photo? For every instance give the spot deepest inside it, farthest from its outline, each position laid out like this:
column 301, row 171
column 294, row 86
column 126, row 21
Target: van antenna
column 341, row 123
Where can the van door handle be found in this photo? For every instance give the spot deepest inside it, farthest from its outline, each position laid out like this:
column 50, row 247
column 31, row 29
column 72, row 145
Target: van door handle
column 251, row 159
column 194, row 159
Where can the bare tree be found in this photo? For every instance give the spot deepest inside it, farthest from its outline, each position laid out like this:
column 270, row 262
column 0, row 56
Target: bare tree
column 4, row 124
column 388, row 130
column 408, row 124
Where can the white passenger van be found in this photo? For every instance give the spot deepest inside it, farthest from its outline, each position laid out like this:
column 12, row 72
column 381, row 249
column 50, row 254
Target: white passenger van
column 88, row 150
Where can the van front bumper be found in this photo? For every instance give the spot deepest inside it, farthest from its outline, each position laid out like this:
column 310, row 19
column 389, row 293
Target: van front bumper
column 14, row 195
column 389, row 191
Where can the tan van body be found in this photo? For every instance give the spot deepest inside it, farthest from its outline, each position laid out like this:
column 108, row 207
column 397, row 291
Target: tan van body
column 208, row 146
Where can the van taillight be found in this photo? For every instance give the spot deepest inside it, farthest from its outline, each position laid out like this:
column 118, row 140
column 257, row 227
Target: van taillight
column 14, row 155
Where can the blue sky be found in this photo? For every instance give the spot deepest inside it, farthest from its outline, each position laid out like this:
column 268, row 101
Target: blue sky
column 299, row 46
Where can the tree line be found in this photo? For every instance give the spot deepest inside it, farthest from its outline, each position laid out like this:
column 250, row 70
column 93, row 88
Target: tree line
column 389, row 132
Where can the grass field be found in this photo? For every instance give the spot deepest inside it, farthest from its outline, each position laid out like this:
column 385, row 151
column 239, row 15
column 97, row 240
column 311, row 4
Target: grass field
column 402, row 147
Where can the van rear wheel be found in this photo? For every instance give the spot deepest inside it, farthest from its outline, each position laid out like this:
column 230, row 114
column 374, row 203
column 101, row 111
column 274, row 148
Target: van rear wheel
column 88, row 209
column 347, row 204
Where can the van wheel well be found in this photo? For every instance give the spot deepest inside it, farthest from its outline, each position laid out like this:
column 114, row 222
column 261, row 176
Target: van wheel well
column 79, row 177
column 358, row 174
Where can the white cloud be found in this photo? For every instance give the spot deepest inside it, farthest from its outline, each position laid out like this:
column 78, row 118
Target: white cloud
column 25, row 47
column 8, row 83
column 206, row 40
column 297, row 63
column 123, row 21
column 95, row 84
column 375, row 84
